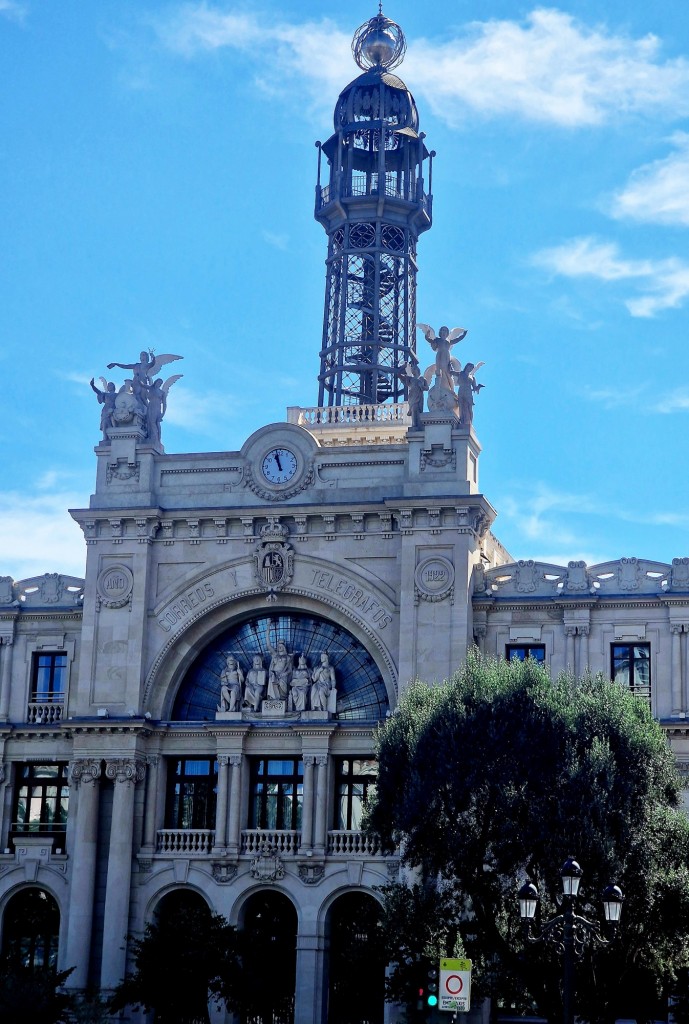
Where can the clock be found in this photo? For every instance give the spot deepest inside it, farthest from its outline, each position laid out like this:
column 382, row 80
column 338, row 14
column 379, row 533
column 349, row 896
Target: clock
column 279, row 466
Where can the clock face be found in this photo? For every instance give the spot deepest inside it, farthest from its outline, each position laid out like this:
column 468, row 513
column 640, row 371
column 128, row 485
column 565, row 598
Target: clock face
column 279, row 465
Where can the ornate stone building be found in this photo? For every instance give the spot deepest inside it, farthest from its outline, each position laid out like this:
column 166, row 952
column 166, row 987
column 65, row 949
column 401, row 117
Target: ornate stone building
column 196, row 715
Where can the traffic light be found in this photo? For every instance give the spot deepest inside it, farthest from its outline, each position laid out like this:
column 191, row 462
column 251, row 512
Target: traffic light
column 432, row 987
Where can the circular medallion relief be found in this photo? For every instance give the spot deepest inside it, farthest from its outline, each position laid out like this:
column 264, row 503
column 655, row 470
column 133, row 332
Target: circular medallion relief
column 434, row 577
column 115, row 585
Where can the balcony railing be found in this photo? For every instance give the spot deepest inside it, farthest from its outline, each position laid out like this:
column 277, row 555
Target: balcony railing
column 45, row 712
column 185, row 842
column 258, row 840
column 349, row 844
column 353, row 415
column 367, row 185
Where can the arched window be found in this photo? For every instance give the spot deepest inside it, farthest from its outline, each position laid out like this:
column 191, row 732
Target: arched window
column 31, row 929
column 356, row 961
column 270, row 939
column 361, row 692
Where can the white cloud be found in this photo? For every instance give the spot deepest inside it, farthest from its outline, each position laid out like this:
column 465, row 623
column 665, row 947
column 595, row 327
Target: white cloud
column 315, row 51
column 674, row 401
column 658, row 193
column 37, row 535
column 549, row 67
column 278, row 241
column 199, row 412
column 664, row 283
column 13, row 10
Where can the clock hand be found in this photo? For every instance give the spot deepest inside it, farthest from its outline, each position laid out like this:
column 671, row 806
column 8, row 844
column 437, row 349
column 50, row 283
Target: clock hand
column 277, row 459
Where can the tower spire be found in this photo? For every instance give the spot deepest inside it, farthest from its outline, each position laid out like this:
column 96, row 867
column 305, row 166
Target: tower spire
column 373, row 208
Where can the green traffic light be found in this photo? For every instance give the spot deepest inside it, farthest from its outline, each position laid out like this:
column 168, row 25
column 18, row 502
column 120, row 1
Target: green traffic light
column 432, row 1000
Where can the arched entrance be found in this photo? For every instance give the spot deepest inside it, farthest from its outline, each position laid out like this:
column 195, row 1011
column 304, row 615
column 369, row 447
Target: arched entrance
column 269, row 958
column 31, row 929
column 356, row 961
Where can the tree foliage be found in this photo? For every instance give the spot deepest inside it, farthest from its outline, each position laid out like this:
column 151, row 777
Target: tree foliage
column 500, row 775
column 186, row 956
column 37, row 995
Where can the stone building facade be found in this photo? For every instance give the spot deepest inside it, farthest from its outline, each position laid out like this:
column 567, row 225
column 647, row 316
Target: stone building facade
column 196, row 715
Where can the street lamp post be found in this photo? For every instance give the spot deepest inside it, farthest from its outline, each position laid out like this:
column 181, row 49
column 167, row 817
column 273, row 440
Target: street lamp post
column 569, row 933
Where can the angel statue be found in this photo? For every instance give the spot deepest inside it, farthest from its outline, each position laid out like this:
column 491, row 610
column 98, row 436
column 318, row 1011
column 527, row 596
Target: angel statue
column 445, row 363
column 141, row 401
column 106, row 398
column 467, row 388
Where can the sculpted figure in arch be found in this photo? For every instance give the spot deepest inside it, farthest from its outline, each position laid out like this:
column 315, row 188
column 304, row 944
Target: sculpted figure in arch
column 323, row 692
column 254, row 689
column 300, row 686
column 279, row 671
column 231, row 680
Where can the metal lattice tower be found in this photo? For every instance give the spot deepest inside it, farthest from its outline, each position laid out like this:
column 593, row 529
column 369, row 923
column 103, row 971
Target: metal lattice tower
column 373, row 209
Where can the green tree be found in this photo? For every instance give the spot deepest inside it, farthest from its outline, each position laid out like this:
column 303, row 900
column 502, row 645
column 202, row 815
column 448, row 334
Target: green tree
column 501, row 774
column 186, row 956
column 35, row 995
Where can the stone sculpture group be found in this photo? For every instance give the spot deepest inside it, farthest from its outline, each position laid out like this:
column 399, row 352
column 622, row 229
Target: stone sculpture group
column 300, row 687
column 447, row 374
column 141, row 402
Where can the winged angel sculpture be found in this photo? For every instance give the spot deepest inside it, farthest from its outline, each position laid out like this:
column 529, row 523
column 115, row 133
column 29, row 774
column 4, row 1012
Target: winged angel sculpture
column 449, row 374
column 142, row 399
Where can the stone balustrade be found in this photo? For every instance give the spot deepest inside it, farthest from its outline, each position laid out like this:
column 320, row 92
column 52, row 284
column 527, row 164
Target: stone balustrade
column 350, row 415
column 347, row 844
column 44, row 713
column 258, row 840
column 187, row 842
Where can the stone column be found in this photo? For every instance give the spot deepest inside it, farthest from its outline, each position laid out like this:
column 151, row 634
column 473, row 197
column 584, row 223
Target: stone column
column 221, row 805
column 569, row 655
column 308, row 996
column 82, row 845
column 233, row 828
column 5, row 678
column 125, row 772
column 319, row 839
column 151, row 803
column 583, row 662
column 307, row 809
column 5, row 823
column 677, row 682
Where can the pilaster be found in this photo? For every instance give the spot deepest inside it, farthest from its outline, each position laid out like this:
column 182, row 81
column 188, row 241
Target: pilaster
column 82, row 846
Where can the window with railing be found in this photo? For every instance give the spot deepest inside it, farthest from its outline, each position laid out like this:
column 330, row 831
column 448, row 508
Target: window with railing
column 48, row 681
column 631, row 667
column 41, row 802
column 191, row 793
column 277, row 793
column 355, row 782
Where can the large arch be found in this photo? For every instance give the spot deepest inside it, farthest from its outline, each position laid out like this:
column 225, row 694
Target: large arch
column 268, row 919
column 361, row 691
column 354, row 961
column 184, row 647
column 31, row 928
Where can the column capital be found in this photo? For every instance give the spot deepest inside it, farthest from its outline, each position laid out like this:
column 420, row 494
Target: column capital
column 322, row 760
column 677, row 627
column 570, row 630
column 235, row 760
column 85, row 769
column 125, row 769
column 223, row 760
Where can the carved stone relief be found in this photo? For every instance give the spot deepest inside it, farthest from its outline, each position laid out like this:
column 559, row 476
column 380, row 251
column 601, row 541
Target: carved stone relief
column 114, row 587
column 434, row 579
column 267, row 866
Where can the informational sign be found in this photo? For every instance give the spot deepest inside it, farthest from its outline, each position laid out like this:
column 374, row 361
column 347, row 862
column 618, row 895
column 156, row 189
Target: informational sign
column 454, row 990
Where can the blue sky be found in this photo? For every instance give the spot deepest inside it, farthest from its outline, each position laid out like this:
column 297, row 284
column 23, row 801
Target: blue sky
column 157, row 171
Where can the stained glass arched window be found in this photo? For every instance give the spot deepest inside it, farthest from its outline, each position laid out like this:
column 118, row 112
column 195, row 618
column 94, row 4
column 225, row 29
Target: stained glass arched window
column 361, row 693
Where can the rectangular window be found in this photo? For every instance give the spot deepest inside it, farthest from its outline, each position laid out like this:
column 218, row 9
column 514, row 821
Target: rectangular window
column 355, row 782
column 48, row 675
column 631, row 667
column 191, row 793
column 41, row 801
column 520, row 652
column 277, row 793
